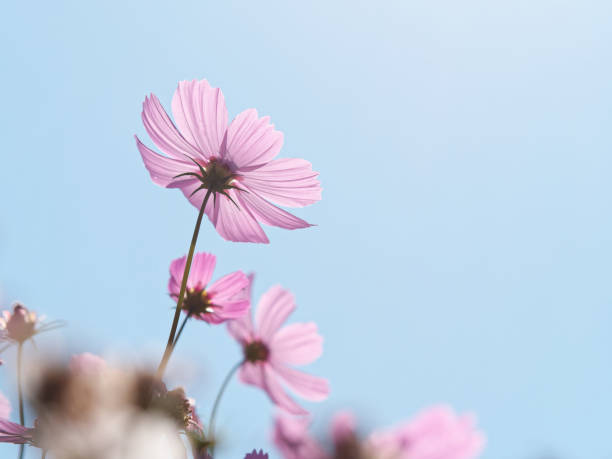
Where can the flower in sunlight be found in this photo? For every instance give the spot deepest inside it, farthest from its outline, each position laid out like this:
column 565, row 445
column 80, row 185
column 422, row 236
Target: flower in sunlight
column 21, row 324
column 227, row 298
column 234, row 164
column 256, row 455
column 270, row 351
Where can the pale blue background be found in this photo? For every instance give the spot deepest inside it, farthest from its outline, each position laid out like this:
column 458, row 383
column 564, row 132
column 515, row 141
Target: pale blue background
column 463, row 246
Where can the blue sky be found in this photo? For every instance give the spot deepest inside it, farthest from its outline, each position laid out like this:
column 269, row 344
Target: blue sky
column 464, row 239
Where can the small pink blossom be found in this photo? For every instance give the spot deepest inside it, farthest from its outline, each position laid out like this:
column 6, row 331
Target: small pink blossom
column 227, row 298
column 270, row 351
column 18, row 325
column 235, row 162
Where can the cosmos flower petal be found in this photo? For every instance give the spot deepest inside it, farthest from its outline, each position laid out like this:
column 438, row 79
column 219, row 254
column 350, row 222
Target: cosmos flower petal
column 278, row 395
column 237, row 224
column 197, row 199
column 161, row 168
column 273, row 309
column 291, row 437
column 253, row 374
column 297, row 344
column 229, row 286
column 435, row 432
column 5, row 407
column 202, row 268
column 252, row 141
column 164, row 133
column 11, row 432
column 286, row 181
column 201, row 115
column 230, row 296
column 87, row 364
column 307, row 386
column 241, row 329
column 269, row 214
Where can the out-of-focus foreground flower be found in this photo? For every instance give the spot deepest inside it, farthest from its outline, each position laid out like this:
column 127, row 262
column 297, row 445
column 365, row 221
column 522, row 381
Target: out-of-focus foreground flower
column 91, row 409
column 436, row 433
column 270, row 351
column 234, row 163
column 227, row 298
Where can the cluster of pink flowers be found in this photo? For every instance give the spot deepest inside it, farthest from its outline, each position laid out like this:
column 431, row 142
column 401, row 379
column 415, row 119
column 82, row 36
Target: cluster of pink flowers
column 230, row 173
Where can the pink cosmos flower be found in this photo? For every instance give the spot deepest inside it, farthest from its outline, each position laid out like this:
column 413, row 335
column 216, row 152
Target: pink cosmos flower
column 436, row 433
column 269, row 351
column 235, row 162
column 256, row 455
column 21, row 324
column 18, row 325
column 227, row 298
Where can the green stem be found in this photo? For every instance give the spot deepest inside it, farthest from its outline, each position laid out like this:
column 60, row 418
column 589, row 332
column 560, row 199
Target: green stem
column 213, row 414
column 180, row 331
column 170, row 345
column 20, row 390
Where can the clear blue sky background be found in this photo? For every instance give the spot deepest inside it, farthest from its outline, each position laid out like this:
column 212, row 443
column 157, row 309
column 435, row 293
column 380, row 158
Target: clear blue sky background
column 464, row 243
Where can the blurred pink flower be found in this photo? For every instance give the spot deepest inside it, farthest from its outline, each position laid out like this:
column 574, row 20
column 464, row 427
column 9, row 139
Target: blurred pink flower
column 236, row 163
column 87, row 363
column 436, row 433
column 256, row 455
column 227, row 298
column 290, row 435
column 269, row 350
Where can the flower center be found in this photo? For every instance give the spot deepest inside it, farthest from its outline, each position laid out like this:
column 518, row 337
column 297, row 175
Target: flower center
column 218, row 176
column 197, row 302
column 256, row 351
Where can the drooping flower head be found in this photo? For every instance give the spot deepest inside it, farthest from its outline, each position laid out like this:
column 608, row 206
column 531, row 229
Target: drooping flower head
column 21, row 324
column 235, row 163
column 227, row 298
column 270, row 351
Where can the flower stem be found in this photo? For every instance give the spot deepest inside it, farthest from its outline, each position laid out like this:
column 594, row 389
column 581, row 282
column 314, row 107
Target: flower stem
column 180, row 330
column 170, row 345
column 20, row 390
column 213, row 414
